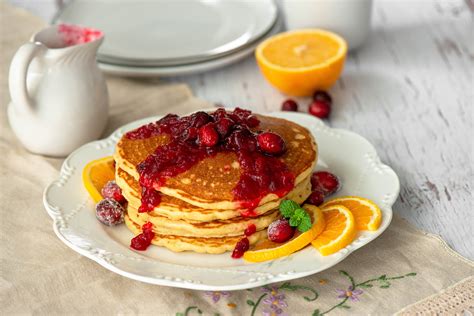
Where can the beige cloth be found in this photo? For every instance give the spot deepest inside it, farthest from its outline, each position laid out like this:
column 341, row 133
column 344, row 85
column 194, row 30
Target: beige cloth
column 41, row 275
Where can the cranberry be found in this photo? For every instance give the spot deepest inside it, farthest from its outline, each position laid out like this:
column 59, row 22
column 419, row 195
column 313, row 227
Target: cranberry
column 109, row 212
column 320, row 109
column 280, row 231
column 191, row 134
column 242, row 139
column 251, row 229
column 224, row 125
column 315, row 198
column 150, row 199
column 199, row 119
column 289, row 105
column 321, row 95
column 252, row 121
column 208, row 136
column 242, row 246
column 325, row 182
column 271, row 143
column 112, row 190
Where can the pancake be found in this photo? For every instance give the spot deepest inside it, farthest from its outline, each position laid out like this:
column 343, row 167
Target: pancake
column 210, row 182
column 229, row 227
column 176, row 209
column 196, row 244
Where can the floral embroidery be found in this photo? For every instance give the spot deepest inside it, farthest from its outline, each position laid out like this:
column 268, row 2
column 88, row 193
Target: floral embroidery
column 273, row 298
column 351, row 293
column 216, row 295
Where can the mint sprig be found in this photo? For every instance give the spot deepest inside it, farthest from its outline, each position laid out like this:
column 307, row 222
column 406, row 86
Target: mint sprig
column 296, row 215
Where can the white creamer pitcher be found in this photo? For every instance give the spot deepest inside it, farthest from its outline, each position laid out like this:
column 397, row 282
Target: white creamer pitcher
column 59, row 96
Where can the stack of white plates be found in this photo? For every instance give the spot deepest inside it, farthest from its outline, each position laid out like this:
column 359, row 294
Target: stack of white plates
column 174, row 37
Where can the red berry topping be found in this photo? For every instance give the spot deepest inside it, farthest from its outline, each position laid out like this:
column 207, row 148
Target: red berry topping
column 252, row 121
column 208, row 136
column 112, row 191
column 199, row 119
column 109, row 212
column 315, row 198
column 242, row 139
column 224, row 125
column 321, row 95
column 289, row 105
column 191, row 134
column 250, row 230
column 241, row 247
column 143, row 240
column 320, row 109
column 271, row 143
column 280, row 231
column 325, row 182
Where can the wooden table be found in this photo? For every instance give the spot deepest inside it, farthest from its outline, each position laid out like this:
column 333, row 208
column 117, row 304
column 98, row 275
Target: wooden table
column 409, row 91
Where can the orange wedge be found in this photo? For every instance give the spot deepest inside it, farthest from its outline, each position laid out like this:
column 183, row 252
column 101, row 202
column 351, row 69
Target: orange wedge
column 366, row 213
column 339, row 232
column 302, row 61
column 96, row 174
column 268, row 250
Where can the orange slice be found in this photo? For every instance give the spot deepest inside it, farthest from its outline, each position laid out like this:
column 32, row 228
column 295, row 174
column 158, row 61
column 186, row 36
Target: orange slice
column 96, row 174
column 339, row 232
column 302, row 61
column 268, row 250
column 366, row 213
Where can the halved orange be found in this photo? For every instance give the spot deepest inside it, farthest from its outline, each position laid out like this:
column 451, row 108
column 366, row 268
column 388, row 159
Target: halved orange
column 268, row 250
column 366, row 213
column 302, row 61
column 339, row 232
column 96, row 174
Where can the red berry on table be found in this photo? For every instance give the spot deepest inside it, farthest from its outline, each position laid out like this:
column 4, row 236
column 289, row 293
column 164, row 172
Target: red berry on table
column 280, row 231
column 109, row 212
column 208, row 136
column 320, row 109
column 289, row 105
column 325, row 182
column 112, row 191
column 250, row 230
column 315, row 198
column 271, row 143
column 242, row 246
column 321, row 95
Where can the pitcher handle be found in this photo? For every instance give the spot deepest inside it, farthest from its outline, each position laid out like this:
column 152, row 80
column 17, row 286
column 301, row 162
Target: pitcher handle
column 18, row 73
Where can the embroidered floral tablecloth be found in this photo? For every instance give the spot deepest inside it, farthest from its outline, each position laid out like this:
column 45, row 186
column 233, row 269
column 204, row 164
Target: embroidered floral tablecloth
column 403, row 271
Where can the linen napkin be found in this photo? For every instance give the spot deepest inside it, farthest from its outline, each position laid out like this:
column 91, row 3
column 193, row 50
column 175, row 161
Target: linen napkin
column 405, row 270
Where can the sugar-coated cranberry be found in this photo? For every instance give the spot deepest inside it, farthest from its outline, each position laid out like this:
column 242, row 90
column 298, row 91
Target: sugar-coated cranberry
column 224, row 125
column 241, row 247
column 112, row 190
column 320, row 109
column 109, row 212
column 271, row 143
column 315, row 198
column 199, row 119
column 289, row 105
column 250, row 230
column 280, row 231
column 325, row 182
column 321, row 95
column 241, row 139
column 208, row 136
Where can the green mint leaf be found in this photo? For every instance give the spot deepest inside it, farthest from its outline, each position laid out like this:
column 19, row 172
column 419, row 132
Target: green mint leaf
column 305, row 223
column 288, row 208
column 295, row 221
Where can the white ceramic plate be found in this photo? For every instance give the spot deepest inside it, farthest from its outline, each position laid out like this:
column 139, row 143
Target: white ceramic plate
column 164, row 32
column 188, row 69
column 345, row 153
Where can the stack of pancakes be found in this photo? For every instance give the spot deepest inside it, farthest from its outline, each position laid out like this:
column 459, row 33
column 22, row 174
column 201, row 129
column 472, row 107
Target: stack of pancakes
column 197, row 210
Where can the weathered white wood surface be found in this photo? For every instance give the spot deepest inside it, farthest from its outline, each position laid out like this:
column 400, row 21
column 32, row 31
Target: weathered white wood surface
column 409, row 91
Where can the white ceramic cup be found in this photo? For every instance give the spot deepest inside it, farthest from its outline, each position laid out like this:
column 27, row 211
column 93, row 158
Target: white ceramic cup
column 348, row 18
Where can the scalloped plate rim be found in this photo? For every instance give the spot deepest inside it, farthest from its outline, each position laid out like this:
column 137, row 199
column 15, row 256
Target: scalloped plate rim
column 199, row 286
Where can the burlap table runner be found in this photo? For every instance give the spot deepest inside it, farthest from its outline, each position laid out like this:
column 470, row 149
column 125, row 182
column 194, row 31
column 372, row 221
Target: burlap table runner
column 404, row 270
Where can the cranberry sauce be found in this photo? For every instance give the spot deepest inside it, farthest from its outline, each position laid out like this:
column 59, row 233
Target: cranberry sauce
column 202, row 135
